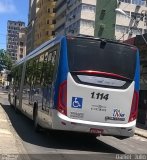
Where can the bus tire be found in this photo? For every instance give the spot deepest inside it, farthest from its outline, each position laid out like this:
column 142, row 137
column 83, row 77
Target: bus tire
column 15, row 107
column 9, row 99
column 37, row 128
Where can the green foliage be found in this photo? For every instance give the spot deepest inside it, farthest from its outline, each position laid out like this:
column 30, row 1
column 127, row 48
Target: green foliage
column 5, row 60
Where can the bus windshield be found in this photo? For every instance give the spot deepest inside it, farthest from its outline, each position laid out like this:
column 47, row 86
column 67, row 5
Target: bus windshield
column 110, row 57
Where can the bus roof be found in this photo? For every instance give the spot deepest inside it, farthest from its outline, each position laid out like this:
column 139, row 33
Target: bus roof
column 41, row 48
column 103, row 39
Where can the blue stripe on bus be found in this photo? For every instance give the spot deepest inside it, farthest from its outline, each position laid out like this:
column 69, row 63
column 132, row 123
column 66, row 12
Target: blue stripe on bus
column 63, row 68
column 137, row 72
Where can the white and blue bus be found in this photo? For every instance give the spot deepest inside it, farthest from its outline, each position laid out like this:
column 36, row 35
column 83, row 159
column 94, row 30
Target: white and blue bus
column 79, row 84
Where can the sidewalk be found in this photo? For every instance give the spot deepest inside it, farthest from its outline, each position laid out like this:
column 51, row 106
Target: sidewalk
column 10, row 142
column 140, row 130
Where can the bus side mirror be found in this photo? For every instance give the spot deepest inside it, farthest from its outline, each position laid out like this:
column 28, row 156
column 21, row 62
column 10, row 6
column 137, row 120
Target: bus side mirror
column 9, row 77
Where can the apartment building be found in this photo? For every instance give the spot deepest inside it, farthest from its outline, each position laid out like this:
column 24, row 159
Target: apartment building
column 41, row 22
column 61, row 7
column 75, row 17
column 114, row 25
column 44, row 26
column 13, row 30
column 21, row 51
column 31, row 26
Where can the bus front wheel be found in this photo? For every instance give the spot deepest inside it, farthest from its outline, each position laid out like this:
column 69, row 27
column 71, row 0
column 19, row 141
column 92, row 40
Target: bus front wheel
column 15, row 105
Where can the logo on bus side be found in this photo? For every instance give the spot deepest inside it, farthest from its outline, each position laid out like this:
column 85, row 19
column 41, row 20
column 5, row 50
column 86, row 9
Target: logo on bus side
column 117, row 116
column 77, row 102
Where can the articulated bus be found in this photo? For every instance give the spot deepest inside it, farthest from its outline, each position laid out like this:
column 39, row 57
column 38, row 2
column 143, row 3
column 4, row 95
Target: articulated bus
column 79, row 84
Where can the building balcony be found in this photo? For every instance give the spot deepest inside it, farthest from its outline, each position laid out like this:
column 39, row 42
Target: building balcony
column 88, row 16
column 51, row 3
column 46, row 3
column 49, row 15
column 43, row 26
column 46, row 38
column 49, row 26
column 38, row 3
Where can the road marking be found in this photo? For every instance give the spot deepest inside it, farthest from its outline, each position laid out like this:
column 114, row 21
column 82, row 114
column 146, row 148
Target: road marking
column 3, row 120
column 4, row 131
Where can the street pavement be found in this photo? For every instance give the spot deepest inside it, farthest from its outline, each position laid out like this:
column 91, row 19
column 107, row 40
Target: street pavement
column 10, row 143
column 18, row 140
column 11, row 146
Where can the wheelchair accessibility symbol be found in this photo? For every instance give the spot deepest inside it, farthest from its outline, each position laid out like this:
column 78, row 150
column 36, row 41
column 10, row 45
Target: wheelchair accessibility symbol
column 77, row 102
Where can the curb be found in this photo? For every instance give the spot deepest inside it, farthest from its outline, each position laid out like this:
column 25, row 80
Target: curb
column 140, row 135
column 23, row 155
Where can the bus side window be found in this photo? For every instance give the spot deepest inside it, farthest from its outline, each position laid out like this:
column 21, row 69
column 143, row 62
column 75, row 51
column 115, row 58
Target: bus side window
column 48, row 71
column 16, row 78
column 20, row 74
column 44, row 85
column 33, row 68
column 26, row 82
column 35, row 65
column 51, row 66
column 44, row 68
column 39, row 71
column 55, row 63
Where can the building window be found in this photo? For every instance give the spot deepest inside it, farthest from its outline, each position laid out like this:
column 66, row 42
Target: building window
column 126, row 1
column 53, row 21
column 53, row 33
column 88, row 8
column 122, row 29
column 139, row 2
column 21, row 56
column 21, row 43
column 48, row 21
column 137, row 16
column 136, row 31
column 127, row 30
column 54, row 11
column 87, row 23
column 47, row 33
column 21, row 50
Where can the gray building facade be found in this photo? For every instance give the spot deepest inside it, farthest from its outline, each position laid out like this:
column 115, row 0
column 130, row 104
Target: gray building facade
column 75, row 17
column 13, row 29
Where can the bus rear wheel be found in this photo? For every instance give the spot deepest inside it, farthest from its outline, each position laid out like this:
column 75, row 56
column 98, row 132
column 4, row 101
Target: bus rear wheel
column 37, row 128
column 9, row 99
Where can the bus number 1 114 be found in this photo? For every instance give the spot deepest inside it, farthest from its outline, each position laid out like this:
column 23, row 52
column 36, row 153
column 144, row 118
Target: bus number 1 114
column 99, row 96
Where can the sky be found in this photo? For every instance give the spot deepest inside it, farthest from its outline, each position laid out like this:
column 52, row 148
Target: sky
column 16, row 10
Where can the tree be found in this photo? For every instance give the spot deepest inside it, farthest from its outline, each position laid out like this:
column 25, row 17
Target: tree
column 5, row 60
